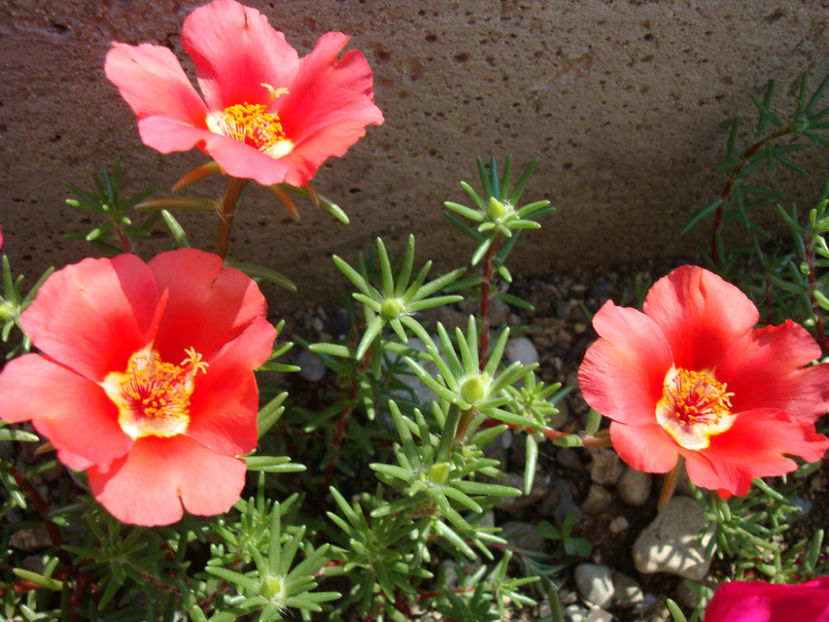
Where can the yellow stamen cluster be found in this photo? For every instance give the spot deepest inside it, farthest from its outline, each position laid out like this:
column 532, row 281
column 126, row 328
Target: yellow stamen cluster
column 153, row 396
column 253, row 125
column 694, row 407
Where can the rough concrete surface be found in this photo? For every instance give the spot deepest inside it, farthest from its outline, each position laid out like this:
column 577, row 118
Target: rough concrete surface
column 626, row 104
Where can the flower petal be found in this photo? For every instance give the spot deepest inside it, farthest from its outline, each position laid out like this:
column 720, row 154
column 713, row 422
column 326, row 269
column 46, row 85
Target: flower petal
column 767, row 369
column 235, row 51
column 754, row 447
column 207, row 304
column 622, row 374
column 159, row 475
column 328, row 106
column 759, row 601
column 151, row 80
column 68, row 409
column 225, row 402
column 646, row 448
column 246, row 162
column 91, row 316
column 700, row 314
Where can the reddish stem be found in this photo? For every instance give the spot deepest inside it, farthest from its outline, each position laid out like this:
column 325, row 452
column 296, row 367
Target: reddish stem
column 40, row 505
column 348, row 408
column 232, row 192
column 122, row 237
column 725, row 193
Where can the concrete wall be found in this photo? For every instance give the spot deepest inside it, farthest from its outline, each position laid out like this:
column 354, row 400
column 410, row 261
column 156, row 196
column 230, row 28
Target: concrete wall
column 627, row 105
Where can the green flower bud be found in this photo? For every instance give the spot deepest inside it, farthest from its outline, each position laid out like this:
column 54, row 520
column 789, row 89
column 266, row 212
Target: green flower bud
column 273, row 588
column 439, row 472
column 7, row 312
column 391, row 308
column 473, row 389
column 495, row 209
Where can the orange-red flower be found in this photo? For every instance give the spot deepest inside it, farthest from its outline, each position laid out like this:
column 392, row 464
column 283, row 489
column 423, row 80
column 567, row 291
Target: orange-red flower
column 691, row 376
column 758, row 601
column 145, row 379
column 267, row 114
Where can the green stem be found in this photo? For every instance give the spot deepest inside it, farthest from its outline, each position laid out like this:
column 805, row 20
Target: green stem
column 483, row 342
column 232, row 193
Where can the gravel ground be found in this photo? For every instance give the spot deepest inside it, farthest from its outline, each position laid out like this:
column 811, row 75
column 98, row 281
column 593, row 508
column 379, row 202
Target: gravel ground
column 560, row 330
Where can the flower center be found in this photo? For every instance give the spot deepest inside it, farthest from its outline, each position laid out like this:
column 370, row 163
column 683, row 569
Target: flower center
column 253, row 125
column 153, row 396
column 694, row 407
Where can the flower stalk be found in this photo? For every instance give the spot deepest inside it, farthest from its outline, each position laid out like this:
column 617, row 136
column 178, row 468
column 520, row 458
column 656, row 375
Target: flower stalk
column 234, row 189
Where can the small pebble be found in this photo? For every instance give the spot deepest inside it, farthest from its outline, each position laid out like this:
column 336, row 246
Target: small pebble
column 523, row 535
column 498, row 311
column 634, row 487
column 597, row 614
column 626, row 591
column 30, row 539
column 568, row 457
column 598, row 499
column 312, row 368
column 804, row 504
column 595, row 584
column 618, row 525
column 575, row 613
column 669, row 543
column 606, row 468
column 565, row 504
column 521, row 349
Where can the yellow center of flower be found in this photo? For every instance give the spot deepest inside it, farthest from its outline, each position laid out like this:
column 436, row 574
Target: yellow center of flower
column 694, row 407
column 153, row 396
column 253, row 125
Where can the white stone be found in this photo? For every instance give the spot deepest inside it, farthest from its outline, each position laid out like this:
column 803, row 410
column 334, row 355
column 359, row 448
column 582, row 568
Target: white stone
column 595, row 584
column 634, row 487
column 606, row 468
column 669, row 543
column 521, row 349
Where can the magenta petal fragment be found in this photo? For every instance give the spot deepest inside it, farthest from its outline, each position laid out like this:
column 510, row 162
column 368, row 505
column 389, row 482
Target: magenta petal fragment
column 159, row 475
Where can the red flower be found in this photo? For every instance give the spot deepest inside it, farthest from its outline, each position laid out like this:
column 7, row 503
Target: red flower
column 146, row 379
column 267, row 114
column 690, row 376
column 758, row 601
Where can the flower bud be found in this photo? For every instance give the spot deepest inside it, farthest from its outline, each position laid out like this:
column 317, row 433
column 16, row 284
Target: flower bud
column 495, row 209
column 439, row 472
column 7, row 312
column 273, row 588
column 391, row 308
column 473, row 389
